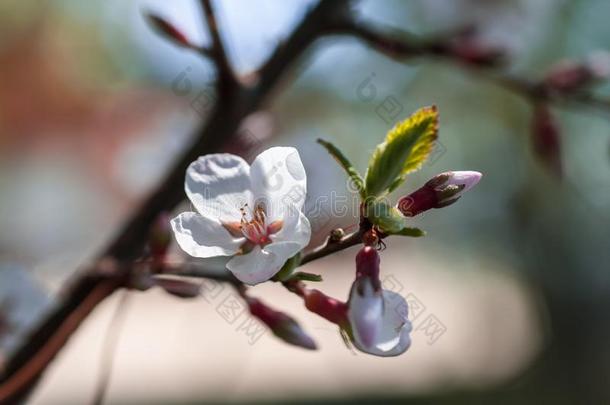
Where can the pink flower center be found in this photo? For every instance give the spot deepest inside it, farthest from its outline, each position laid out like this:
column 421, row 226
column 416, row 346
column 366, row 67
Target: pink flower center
column 255, row 229
column 254, row 226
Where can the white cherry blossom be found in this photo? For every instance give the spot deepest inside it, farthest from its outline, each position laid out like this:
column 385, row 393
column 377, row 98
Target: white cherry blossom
column 391, row 335
column 253, row 213
column 377, row 318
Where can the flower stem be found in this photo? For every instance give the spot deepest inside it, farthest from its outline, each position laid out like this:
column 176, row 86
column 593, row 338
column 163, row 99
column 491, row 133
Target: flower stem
column 332, row 247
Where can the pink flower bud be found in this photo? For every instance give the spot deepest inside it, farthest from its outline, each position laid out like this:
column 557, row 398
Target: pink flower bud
column 465, row 179
column 365, row 301
column 367, row 265
column 282, row 325
column 327, row 307
column 442, row 190
column 393, row 335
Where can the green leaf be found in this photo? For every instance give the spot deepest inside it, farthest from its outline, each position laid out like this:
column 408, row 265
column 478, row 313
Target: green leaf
column 347, row 335
column 386, row 217
column 304, row 276
column 408, row 231
column 405, row 149
column 390, row 220
column 288, row 269
column 345, row 164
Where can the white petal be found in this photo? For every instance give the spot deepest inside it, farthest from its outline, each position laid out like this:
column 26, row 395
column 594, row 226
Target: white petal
column 394, row 337
column 468, row 179
column 203, row 237
column 295, row 228
column 260, row 265
column 218, row 185
column 278, row 179
column 365, row 312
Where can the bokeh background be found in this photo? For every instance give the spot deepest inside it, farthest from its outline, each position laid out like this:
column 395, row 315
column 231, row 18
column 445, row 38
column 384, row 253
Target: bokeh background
column 510, row 289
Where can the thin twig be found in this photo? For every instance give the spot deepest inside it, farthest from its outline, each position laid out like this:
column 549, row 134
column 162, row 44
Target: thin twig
column 109, row 347
column 398, row 45
column 204, row 51
column 332, row 247
column 217, row 51
column 26, row 366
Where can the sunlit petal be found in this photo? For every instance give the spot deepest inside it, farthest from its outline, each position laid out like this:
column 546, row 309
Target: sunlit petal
column 278, row 179
column 260, row 264
column 218, row 185
column 393, row 337
column 203, row 237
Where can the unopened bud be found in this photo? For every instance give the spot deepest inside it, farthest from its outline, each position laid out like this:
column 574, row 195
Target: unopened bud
column 366, row 301
column 336, row 235
column 282, row 325
column 546, row 140
column 168, row 30
column 367, row 265
column 474, row 52
column 568, row 76
column 179, row 288
column 441, row 191
column 327, row 307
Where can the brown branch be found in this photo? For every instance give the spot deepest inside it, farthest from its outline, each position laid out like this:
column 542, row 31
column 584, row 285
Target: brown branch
column 217, row 51
column 331, row 247
column 537, row 92
column 398, row 45
column 26, row 366
column 109, row 348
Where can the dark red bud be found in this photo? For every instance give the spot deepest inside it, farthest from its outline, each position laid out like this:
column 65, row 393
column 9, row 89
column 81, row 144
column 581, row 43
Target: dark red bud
column 546, row 138
column 569, row 76
column 367, row 265
column 266, row 314
column 327, row 307
column 168, row 30
column 418, row 201
column 282, row 325
column 179, row 288
column 474, row 52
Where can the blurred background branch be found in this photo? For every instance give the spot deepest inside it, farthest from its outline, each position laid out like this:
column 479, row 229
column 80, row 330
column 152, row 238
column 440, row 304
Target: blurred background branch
column 462, row 46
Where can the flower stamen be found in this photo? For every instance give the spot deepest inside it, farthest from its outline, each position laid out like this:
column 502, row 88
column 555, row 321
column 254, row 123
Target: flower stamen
column 254, row 225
